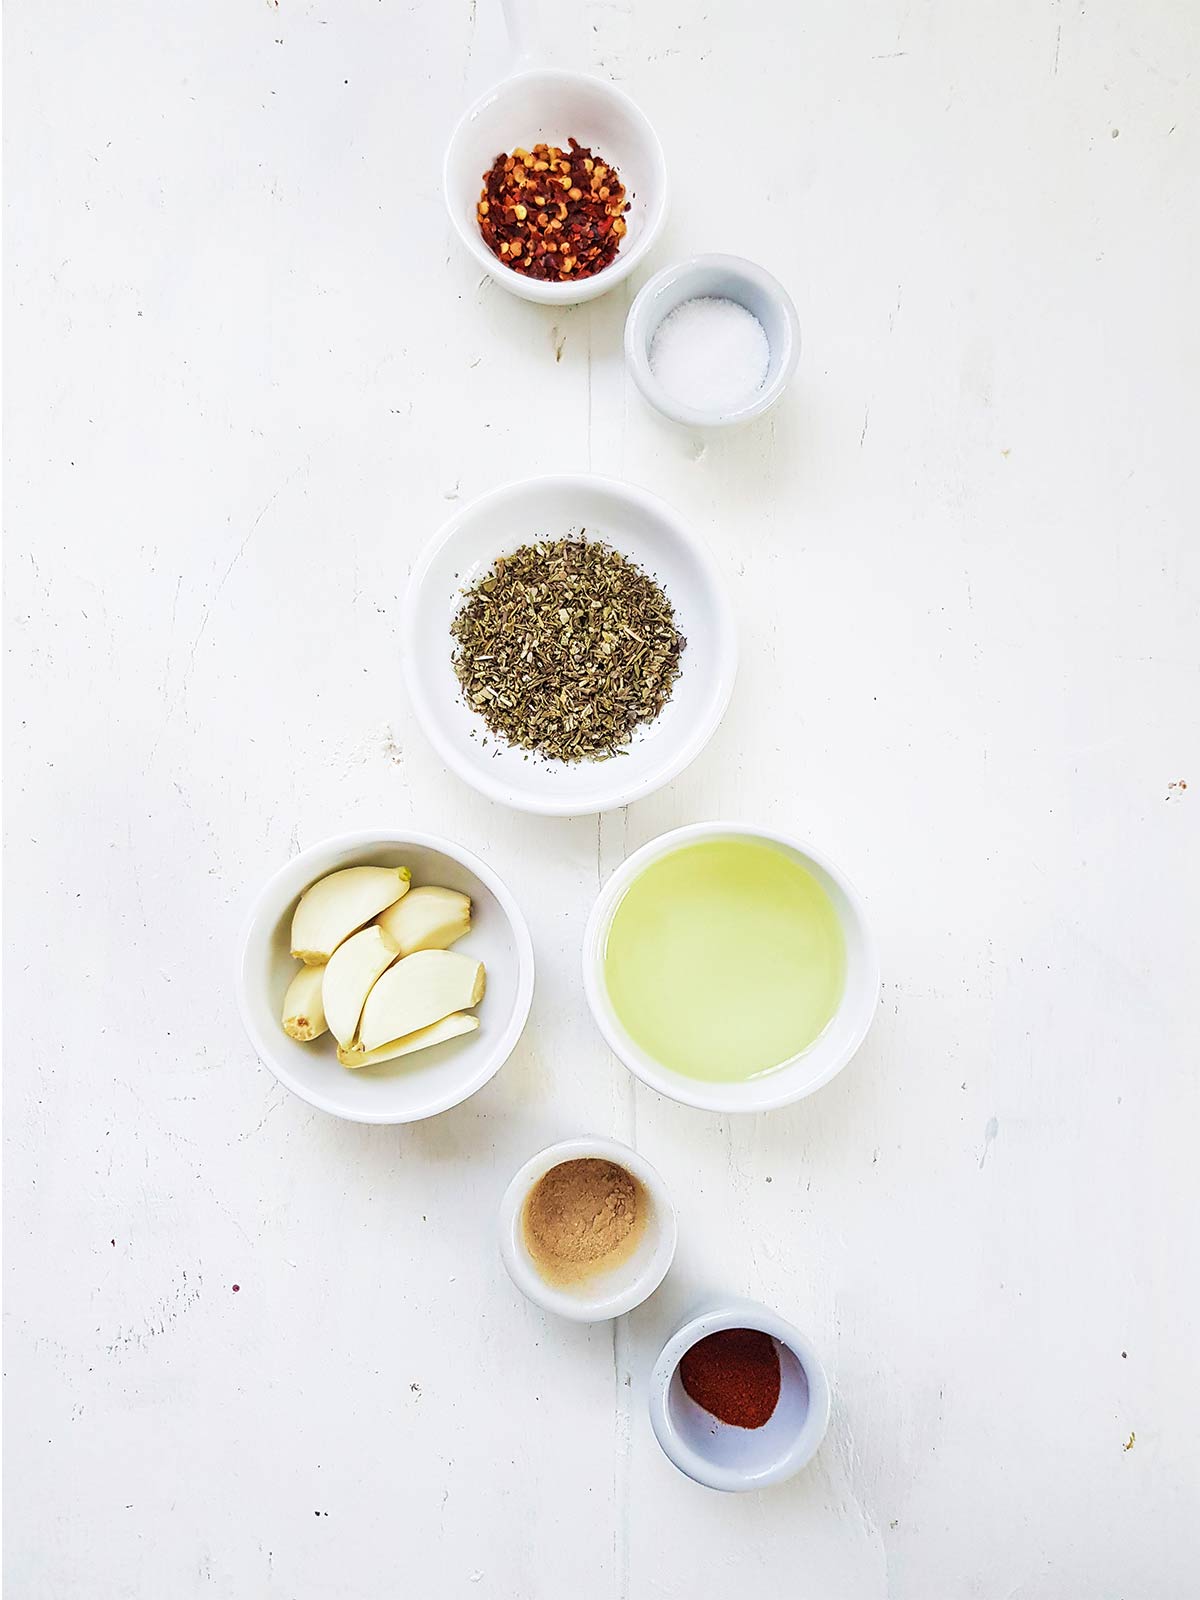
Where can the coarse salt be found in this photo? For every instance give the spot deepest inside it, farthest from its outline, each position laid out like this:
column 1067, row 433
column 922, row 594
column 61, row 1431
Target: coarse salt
column 710, row 354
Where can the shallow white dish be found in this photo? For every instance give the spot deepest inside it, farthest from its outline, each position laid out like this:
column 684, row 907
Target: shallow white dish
column 722, row 278
column 723, row 1457
column 641, row 527
column 429, row 1081
column 545, row 105
column 608, row 1294
column 803, row 1074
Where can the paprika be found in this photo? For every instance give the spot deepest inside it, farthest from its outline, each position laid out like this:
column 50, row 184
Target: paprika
column 734, row 1376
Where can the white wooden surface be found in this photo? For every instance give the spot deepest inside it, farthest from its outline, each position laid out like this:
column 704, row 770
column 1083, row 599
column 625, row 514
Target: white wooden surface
column 249, row 375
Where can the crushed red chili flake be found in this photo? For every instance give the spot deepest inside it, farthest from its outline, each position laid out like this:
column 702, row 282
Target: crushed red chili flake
column 553, row 214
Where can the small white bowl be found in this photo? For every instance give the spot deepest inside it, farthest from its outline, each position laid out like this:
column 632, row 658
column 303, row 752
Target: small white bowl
column 736, row 1459
column 608, row 1294
column 723, row 278
column 641, row 527
column 792, row 1080
column 432, row 1080
column 545, row 105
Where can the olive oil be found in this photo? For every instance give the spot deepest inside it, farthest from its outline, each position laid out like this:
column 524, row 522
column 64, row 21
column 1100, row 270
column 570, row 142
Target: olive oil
column 725, row 959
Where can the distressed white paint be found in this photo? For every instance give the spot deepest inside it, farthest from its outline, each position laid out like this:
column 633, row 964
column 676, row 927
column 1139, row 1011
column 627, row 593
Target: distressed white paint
column 249, row 374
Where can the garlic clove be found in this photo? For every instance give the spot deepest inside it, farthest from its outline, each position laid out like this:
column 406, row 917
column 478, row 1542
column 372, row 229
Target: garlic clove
column 418, row 990
column 335, row 906
column 427, row 919
column 451, row 1027
column 303, row 1007
column 350, row 975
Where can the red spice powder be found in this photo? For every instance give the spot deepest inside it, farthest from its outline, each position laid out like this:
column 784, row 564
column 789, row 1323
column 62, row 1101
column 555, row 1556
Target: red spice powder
column 734, row 1376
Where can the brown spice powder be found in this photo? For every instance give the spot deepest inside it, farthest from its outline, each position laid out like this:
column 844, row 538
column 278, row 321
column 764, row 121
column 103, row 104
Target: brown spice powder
column 582, row 1218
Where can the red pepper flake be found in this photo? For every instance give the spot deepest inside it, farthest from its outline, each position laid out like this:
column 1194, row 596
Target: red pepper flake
column 734, row 1376
column 553, row 214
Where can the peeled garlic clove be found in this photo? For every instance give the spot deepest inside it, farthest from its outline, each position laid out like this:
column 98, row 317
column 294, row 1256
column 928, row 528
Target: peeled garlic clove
column 303, row 1009
column 349, row 975
column 451, row 1027
column 428, row 919
column 335, row 906
column 421, row 989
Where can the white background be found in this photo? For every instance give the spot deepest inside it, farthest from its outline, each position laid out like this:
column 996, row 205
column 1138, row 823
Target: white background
column 249, row 374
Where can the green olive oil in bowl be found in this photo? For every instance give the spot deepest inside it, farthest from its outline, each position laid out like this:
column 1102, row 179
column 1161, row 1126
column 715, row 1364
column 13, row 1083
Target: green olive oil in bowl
column 724, row 959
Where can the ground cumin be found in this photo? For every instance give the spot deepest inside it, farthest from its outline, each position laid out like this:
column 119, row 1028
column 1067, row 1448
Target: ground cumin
column 583, row 1217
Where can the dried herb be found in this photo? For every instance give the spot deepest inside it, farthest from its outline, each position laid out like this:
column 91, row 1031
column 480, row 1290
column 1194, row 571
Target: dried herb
column 565, row 648
column 553, row 214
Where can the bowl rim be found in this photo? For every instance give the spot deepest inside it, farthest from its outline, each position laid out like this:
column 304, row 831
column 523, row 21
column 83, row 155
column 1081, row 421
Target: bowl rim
column 533, row 289
column 724, row 648
column 722, row 1097
column 390, row 839
column 739, row 1313
column 578, row 1307
column 637, row 331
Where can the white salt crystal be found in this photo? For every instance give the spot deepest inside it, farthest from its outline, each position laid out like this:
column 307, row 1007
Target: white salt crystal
column 710, row 354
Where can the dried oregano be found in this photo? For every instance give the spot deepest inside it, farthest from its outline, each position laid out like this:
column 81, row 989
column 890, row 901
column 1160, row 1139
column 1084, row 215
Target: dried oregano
column 565, row 648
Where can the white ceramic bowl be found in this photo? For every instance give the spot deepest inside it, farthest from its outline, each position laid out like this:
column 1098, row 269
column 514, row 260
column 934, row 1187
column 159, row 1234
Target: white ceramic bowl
column 804, row 1073
column 723, row 1457
column 608, row 1294
column 641, row 527
column 546, row 105
column 724, row 278
column 414, row 1086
